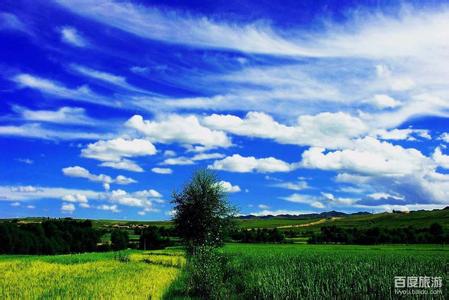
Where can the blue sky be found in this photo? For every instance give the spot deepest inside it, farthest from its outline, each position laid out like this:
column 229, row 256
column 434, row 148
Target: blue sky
column 107, row 107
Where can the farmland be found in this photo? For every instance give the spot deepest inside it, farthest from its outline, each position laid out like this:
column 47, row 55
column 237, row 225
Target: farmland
column 130, row 274
column 264, row 271
column 329, row 271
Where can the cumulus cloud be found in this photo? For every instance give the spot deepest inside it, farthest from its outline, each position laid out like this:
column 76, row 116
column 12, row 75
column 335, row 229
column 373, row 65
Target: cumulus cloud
column 368, row 156
column 325, row 129
column 111, row 208
column 441, row 159
column 114, row 153
column 242, row 164
column 384, row 101
column 228, row 187
column 124, row 164
column 68, row 208
column 185, row 130
column 77, row 171
column 162, row 170
column 79, row 198
column 313, row 201
column 116, row 149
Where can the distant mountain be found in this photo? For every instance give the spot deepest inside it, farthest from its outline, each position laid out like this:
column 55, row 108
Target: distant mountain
column 327, row 214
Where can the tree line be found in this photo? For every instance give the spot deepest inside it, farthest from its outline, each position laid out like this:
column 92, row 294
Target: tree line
column 258, row 235
column 49, row 237
column 434, row 234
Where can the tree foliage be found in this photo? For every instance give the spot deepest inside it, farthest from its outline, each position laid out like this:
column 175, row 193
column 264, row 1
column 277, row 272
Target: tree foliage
column 377, row 235
column 119, row 239
column 203, row 215
column 48, row 237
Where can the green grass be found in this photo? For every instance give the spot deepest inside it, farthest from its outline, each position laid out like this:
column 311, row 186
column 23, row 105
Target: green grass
column 330, row 271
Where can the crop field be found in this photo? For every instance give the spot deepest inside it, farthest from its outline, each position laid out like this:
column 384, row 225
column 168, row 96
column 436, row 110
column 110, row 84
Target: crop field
column 329, row 271
column 253, row 271
column 128, row 275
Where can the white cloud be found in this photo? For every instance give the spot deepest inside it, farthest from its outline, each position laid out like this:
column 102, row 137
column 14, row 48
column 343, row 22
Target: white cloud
column 120, row 179
column 162, row 170
column 64, row 115
column 280, row 212
column 242, row 164
column 441, row 159
column 176, row 27
column 178, row 161
column 112, row 208
column 295, row 186
column 27, row 161
column 368, row 156
column 313, row 201
column 116, row 80
column 116, row 149
column 180, row 129
column 381, row 196
column 183, row 160
column 10, row 21
column 169, row 153
column 228, row 187
column 444, row 137
column 384, row 101
column 35, row 130
column 31, row 206
column 58, row 90
column 80, row 198
column 15, row 204
column 325, row 129
column 403, row 134
column 68, row 208
column 142, row 198
column 77, row 171
column 124, row 164
column 71, row 36
column 263, row 206
column 25, row 193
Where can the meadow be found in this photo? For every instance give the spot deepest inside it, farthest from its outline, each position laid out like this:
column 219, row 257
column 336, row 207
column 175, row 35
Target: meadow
column 249, row 271
column 111, row 275
column 330, row 271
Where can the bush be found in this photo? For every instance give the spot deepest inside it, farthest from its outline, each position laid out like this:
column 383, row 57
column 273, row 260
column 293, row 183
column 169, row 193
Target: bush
column 207, row 271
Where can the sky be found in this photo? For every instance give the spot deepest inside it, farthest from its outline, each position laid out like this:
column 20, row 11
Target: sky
column 107, row 107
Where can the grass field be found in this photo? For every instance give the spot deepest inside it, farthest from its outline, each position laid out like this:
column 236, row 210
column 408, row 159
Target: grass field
column 253, row 271
column 90, row 276
column 330, row 271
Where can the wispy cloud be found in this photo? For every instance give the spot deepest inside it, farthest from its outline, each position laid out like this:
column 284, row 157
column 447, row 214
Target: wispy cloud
column 72, row 37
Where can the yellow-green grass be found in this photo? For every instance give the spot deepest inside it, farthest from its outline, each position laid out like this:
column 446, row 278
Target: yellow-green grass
column 89, row 276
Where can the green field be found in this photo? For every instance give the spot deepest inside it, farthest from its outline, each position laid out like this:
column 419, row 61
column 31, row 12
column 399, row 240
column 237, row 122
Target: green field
column 131, row 275
column 253, row 271
column 330, row 271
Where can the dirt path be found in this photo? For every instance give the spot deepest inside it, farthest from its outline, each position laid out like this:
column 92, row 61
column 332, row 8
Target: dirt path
column 320, row 221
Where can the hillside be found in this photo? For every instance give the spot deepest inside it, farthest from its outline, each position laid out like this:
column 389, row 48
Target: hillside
column 308, row 222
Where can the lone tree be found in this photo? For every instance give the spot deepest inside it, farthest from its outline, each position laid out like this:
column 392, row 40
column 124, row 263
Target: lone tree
column 119, row 239
column 203, row 216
